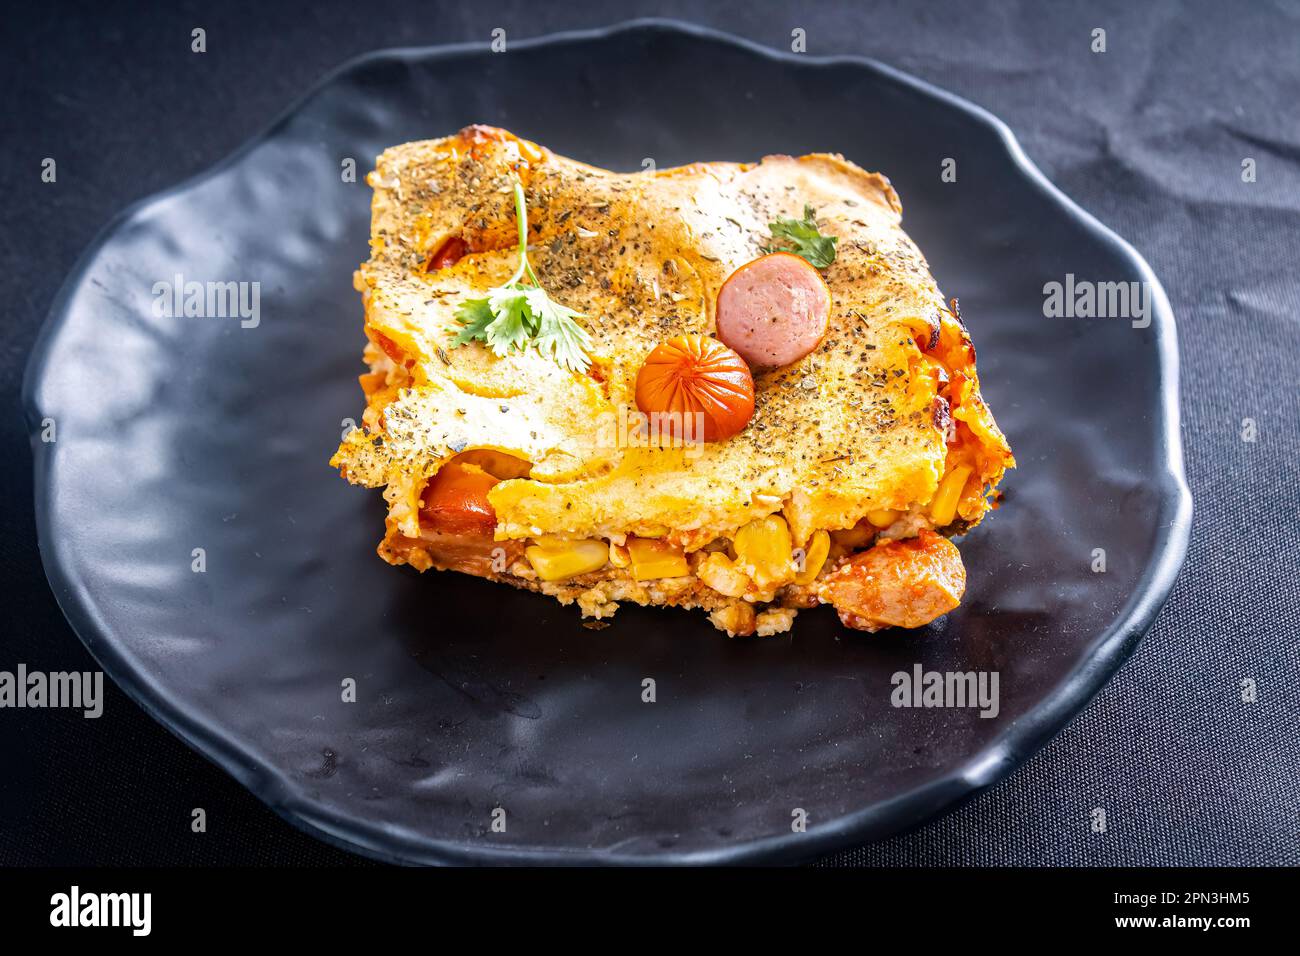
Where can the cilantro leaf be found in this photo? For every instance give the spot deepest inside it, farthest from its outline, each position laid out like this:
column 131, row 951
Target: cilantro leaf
column 519, row 313
column 558, row 336
column 804, row 238
column 474, row 315
column 513, row 325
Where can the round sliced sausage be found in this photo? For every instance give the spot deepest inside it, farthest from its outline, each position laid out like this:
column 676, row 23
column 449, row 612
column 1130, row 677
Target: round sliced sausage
column 773, row 311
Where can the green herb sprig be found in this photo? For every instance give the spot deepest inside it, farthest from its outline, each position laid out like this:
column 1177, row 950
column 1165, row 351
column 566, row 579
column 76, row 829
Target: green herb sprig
column 802, row 237
column 520, row 314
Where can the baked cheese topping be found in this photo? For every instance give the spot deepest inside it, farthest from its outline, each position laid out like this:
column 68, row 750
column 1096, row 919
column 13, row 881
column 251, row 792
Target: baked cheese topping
column 880, row 429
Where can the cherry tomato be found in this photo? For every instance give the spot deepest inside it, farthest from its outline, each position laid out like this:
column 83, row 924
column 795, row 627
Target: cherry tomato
column 455, row 501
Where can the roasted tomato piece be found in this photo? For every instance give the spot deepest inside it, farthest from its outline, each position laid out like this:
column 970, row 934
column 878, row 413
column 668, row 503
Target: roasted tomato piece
column 455, row 501
column 447, row 254
column 902, row 583
column 391, row 348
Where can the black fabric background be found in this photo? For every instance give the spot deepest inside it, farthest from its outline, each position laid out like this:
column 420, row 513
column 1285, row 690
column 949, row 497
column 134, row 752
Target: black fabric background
column 1149, row 136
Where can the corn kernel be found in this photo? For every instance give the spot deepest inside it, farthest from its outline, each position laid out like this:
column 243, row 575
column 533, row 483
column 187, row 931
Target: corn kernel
column 819, row 546
column 720, row 573
column 556, row 561
column 859, row 536
column 882, row 517
column 944, row 506
column 652, row 558
column 764, row 551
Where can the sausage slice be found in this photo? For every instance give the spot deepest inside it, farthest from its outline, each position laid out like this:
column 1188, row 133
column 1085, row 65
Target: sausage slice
column 903, row 583
column 773, row 311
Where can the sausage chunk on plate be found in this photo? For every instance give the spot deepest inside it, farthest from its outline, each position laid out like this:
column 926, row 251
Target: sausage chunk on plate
column 901, row 583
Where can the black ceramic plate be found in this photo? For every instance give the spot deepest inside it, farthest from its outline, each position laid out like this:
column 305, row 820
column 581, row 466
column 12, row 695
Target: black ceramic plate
column 175, row 434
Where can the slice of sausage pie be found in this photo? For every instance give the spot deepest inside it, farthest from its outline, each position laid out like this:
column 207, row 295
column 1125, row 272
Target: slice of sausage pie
column 725, row 386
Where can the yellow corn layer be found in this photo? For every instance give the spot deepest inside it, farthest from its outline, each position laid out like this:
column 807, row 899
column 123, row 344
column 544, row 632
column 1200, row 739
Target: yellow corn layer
column 556, row 560
column 859, row 536
column 764, row 550
column 944, row 506
column 882, row 517
column 652, row 558
column 819, row 547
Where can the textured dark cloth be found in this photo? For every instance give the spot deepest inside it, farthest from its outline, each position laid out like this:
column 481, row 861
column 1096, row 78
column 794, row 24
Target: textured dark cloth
column 1150, row 136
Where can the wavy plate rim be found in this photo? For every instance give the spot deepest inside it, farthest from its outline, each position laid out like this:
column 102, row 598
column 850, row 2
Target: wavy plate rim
column 994, row 762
